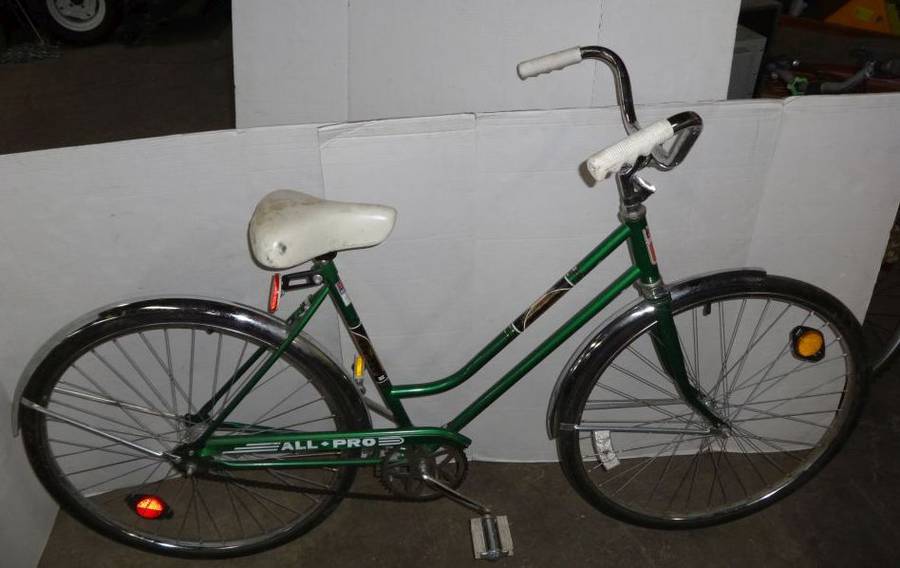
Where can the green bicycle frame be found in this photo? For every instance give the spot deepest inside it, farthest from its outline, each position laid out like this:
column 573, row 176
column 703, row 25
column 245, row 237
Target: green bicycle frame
column 643, row 271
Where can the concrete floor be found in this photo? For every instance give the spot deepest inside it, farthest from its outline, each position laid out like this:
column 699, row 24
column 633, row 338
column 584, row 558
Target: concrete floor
column 848, row 516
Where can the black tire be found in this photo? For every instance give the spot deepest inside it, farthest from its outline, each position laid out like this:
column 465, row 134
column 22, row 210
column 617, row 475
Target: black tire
column 882, row 324
column 647, row 490
column 165, row 326
column 82, row 22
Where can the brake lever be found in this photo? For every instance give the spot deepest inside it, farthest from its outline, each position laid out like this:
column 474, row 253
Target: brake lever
column 643, row 188
column 687, row 126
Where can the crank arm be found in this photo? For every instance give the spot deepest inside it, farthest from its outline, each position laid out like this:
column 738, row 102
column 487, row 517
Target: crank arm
column 454, row 495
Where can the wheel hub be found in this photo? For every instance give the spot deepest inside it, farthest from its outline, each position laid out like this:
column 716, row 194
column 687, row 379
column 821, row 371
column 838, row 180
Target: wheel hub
column 721, row 432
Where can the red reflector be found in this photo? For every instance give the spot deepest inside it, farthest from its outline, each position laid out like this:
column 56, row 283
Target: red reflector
column 274, row 293
column 150, row 507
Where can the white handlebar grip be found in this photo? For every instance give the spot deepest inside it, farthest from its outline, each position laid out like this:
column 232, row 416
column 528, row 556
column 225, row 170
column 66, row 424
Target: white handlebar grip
column 549, row 62
column 627, row 151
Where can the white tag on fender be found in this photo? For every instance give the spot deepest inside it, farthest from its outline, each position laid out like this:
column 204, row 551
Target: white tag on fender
column 604, row 449
column 648, row 240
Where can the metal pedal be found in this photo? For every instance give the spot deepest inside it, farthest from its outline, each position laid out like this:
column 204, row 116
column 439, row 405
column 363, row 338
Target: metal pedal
column 491, row 539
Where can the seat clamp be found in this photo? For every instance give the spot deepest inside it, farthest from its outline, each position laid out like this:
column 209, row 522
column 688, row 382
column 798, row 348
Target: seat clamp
column 302, row 279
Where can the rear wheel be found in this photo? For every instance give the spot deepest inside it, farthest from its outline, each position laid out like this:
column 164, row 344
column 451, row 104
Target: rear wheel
column 635, row 450
column 138, row 378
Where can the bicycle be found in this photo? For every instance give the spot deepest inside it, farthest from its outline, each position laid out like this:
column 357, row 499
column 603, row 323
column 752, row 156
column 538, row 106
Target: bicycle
column 203, row 428
column 871, row 75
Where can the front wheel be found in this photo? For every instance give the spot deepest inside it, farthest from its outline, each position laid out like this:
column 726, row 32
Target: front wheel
column 635, row 450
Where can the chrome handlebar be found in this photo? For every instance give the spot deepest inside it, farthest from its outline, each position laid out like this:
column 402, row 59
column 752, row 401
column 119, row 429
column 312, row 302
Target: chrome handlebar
column 687, row 125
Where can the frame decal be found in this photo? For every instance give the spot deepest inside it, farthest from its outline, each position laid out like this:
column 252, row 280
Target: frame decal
column 342, row 292
column 313, row 445
column 364, row 346
column 542, row 304
column 362, row 342
column 648, row 242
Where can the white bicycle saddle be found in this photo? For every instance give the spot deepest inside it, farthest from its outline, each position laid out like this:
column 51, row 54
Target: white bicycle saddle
column 289, row 227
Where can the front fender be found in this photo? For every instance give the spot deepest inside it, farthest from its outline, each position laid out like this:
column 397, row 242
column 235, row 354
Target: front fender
column 244, row 318
column 640, row 308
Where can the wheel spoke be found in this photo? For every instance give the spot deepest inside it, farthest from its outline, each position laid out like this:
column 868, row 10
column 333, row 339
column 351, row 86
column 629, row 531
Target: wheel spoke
column 779, row 418
column 234, row 373
column 645, row 404
column 168, row 370
column 116, row 477
column 141, row 426
column 143, row 377
column 265, row 416
column 114, row 424
column 128, row 384
column 212, row 518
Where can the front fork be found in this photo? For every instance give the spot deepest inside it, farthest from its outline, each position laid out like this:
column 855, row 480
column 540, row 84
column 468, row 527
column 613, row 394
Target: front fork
column 668, row 349
column 633, row 191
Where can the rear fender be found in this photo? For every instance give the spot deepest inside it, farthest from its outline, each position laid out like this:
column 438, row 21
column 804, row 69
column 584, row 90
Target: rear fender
column 245, row 318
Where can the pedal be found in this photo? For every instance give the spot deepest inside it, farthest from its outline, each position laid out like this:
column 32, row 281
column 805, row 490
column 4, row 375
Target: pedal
column 491, row 539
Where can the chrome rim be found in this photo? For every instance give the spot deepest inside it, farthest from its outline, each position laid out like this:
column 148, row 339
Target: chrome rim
column 138, row 387
column 647, row 452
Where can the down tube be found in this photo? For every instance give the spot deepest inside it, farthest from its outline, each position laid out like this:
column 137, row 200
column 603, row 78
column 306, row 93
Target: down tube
column 541, row 351
column 518, row 326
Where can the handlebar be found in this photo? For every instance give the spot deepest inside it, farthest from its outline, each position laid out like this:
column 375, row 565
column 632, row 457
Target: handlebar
column 550, row 62
column 629, row 150
column 565, row 58
column 686, row 126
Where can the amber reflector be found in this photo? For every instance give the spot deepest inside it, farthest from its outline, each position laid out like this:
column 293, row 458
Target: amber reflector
column 150, row 507
column 808, row 343
column 359, row 367
column 274, row 293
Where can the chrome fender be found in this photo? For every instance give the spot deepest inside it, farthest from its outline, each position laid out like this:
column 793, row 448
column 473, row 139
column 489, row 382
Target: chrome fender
column 623, row 318
column 245, row 318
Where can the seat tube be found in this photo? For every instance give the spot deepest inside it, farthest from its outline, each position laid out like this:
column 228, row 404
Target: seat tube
column 664, row 335
column 361, row 341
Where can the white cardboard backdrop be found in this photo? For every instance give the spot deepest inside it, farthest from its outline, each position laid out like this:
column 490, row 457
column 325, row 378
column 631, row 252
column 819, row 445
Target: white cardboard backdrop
column 302, row 61
column 498, row 211
column 835, row 176
column 804, row 187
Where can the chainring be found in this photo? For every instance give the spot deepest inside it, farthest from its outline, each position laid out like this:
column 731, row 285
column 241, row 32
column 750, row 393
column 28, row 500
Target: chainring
column 401, row 468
